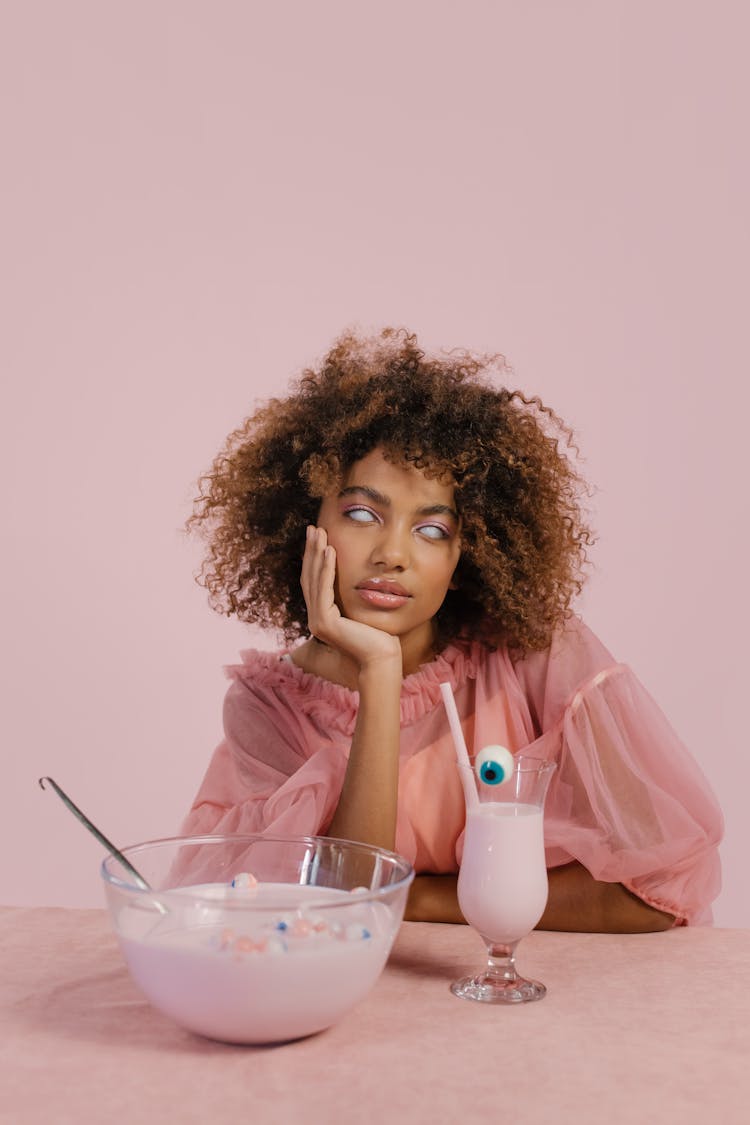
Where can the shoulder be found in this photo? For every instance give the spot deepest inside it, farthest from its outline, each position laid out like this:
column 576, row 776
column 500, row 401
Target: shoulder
column 280, row 674
column 550, row 678
column 260, row 669
column 271, row 685
column 574, row 648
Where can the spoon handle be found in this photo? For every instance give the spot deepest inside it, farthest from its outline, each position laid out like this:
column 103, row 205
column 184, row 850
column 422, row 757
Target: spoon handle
column 139, row 880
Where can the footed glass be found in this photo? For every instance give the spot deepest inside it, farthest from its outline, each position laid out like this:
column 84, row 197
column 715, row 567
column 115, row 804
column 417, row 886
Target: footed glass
column 502, row 883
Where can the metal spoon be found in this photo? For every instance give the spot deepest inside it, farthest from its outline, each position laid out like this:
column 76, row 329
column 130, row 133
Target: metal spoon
column 139, row 880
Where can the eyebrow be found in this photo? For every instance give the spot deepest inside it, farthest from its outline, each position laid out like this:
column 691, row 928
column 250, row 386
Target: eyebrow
column 384, row 501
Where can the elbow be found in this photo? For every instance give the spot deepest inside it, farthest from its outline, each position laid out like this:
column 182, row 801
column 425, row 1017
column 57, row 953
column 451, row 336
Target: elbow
column 625, row 913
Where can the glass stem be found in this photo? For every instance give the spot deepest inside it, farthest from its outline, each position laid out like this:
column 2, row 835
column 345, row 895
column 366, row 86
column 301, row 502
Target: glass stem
column 501, row 963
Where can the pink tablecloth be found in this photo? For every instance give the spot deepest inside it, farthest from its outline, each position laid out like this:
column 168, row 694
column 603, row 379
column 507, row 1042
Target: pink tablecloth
column 648, row 1028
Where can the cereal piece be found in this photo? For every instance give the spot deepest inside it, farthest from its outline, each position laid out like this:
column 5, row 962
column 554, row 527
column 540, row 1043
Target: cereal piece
column 245, row 881
column 355, row 932
column 244, row 945
column 301, row 927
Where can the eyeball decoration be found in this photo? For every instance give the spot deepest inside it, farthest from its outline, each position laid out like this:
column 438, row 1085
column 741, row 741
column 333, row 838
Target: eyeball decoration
column 494, row 765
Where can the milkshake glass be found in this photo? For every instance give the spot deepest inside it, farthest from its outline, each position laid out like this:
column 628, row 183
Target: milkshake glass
column 502, row 883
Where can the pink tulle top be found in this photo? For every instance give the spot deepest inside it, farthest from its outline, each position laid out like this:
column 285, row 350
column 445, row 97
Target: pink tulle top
column 627, row 800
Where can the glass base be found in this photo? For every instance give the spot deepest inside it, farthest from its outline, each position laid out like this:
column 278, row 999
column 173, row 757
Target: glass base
column 489, row 990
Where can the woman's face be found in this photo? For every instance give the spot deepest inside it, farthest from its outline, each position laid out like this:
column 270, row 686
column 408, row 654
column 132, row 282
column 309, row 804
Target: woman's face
column 397, row 538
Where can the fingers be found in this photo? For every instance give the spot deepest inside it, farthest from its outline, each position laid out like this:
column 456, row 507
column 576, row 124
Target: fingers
column 326, row 622
column 317, row 579
column 313, row 560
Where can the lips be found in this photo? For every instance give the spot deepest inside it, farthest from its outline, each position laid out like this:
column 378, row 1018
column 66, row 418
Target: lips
column 382, row 593
column 385, row 585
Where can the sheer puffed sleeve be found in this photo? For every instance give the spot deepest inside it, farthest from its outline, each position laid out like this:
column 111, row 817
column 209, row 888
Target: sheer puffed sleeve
column 627, row 800
column 276, row 771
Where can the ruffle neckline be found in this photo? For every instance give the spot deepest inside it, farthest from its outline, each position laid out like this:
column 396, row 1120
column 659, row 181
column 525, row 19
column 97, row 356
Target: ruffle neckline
column 335, row 705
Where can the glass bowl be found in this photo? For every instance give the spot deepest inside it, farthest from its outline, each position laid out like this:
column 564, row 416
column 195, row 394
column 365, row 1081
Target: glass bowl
column 253, row 939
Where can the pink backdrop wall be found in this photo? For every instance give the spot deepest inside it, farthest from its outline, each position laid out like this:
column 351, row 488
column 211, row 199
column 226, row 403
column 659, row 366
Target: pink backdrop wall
column 197, row 197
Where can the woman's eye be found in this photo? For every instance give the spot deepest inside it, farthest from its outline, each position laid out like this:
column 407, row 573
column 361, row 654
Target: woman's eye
column 359, row 515
column 433, row 531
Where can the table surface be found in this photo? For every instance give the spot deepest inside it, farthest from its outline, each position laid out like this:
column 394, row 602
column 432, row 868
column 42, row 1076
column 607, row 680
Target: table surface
column 635, row 1028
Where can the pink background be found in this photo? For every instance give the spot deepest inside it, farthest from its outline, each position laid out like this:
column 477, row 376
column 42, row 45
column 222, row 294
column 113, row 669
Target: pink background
column 197, row 197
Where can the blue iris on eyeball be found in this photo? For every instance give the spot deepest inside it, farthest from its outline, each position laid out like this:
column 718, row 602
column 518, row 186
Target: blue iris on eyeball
column 494, row 765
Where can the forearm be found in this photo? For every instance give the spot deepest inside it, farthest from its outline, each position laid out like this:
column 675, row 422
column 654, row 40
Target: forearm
column 576, row 902
column 579, row 902
column 433, row 898
column 367, row 806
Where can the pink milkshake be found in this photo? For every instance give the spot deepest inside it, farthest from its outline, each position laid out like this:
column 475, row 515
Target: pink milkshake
column 502, row 884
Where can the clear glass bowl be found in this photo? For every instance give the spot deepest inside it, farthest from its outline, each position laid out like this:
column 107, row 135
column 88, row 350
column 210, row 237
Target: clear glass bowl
column 256, row 962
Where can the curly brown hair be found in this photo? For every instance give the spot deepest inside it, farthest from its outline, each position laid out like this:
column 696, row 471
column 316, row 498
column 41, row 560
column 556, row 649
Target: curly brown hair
column 523, row 537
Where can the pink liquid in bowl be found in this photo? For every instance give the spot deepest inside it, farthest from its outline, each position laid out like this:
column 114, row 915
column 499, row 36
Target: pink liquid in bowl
column 271, row 976
column 502, row 884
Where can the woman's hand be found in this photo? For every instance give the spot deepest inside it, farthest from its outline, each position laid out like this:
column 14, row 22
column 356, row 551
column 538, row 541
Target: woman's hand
column 362, row 644
column 366, row 809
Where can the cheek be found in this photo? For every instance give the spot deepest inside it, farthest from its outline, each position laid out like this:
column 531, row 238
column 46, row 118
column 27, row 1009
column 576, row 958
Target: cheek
column 451, row 569
column 454, row 557
column 443, row 571
column 324, row 517
column 348, row 561
column 327, row 520
column 337, row 541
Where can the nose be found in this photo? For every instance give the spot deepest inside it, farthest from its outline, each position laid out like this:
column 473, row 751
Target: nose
column 392, row 547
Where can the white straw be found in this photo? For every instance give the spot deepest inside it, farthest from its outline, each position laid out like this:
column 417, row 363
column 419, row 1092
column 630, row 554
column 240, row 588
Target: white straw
column 462, row 754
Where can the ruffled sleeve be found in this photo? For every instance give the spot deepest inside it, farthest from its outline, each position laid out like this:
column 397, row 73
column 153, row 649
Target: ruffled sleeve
column 627, row 800
column 275, row 772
